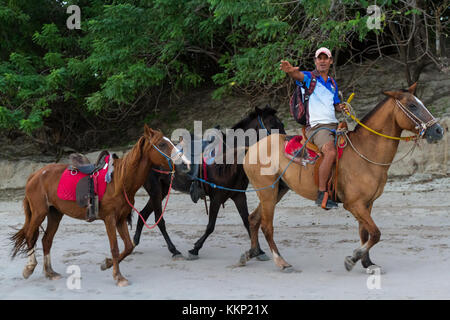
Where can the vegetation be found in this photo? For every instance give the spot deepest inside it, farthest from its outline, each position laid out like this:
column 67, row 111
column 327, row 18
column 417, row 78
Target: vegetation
column 66, row 86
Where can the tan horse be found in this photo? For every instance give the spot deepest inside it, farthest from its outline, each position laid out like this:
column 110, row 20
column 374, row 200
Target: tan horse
column 360, row 182
column 41, row 201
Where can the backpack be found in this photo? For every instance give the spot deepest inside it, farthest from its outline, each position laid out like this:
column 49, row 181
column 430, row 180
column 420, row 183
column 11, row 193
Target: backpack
column 299, row 102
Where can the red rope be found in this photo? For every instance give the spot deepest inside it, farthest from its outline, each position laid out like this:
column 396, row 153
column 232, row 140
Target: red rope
column 162, row 213
column 160, row 171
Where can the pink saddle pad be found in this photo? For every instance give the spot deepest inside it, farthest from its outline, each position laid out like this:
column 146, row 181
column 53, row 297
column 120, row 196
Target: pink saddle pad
column 293, row 145
column 69, row 179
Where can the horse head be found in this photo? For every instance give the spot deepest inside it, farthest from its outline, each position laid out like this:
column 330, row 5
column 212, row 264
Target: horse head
column 262, row 119
column 163, row 152
column 411, row 114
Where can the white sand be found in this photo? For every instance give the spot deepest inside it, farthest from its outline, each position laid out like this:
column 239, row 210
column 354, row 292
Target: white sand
column 414, row 252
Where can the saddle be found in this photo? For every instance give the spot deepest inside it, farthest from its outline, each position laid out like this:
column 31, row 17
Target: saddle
column 312, row 155
column 196, row 189
column 85, row 188
column 81, row 163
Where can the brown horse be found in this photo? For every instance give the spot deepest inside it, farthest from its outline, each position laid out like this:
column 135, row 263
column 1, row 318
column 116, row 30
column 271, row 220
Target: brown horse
column 360, row 181
column 129, row 175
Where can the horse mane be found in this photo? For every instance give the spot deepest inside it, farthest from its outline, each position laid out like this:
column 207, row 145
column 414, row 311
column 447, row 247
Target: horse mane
column 132, row 158
column 374, row 110
column 231, row 169
column 267, row 111
column 370, row 114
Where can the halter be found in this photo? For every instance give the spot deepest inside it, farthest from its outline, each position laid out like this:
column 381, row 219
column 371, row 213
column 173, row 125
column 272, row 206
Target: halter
column 169, row 159
column 261, row 123
column 423, row 126
column 420, row 124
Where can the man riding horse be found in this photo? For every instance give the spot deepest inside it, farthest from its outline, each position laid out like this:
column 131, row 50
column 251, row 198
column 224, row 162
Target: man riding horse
column 320, row 113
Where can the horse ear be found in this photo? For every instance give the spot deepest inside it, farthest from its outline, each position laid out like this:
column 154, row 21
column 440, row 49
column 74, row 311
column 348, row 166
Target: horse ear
column 412, row 89
column 148, row 132
column 258, row 110
column 394, row 94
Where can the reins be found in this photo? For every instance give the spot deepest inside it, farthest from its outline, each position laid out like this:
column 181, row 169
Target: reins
column 349, row 113
column 419, row 125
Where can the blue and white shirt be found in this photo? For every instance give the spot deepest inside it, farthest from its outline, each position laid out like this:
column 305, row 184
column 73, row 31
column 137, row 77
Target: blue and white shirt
column 322, row 101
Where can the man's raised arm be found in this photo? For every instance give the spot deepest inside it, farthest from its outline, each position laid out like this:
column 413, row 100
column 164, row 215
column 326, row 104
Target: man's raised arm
column 293, row 72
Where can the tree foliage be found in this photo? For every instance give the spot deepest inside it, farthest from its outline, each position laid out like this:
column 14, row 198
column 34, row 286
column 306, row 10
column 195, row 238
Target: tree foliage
column 75, row 83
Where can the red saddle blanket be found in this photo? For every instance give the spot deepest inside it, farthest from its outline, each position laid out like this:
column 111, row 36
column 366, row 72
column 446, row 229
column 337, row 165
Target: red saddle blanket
column 294, row 144
column 69, row 179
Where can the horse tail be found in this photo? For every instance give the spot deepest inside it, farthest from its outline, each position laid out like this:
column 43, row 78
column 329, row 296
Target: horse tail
column 19, row 239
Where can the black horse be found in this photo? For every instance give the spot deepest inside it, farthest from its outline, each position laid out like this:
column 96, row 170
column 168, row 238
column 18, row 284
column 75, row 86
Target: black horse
column 226, row 175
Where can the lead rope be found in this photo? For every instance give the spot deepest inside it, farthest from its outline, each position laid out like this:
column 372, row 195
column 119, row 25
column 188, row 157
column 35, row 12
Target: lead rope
column 168, row 194
column 167, row 200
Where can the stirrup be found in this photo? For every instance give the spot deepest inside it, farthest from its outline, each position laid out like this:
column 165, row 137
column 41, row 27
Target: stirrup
column 92, row 209
column 325, row 202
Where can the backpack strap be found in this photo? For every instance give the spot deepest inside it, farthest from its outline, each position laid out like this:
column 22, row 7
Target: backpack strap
column 308, row 92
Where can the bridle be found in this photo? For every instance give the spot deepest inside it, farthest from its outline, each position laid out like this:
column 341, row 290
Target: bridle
column 261, row 124
column 169, row 159
column 421, row 125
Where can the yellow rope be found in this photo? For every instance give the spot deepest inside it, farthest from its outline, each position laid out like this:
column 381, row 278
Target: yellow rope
column 369, row 129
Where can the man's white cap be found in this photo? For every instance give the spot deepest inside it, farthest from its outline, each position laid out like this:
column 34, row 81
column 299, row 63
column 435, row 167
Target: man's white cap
column 323, row 50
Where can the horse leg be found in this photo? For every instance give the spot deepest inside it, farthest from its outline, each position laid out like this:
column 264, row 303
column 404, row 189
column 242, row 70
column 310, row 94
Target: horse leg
column 240, row 201
column 176, row 255
column 154, row 187
column 145, row 213
column 213, row 211
column 267, row 213
column 53, row 219
column 122, row 229
column 110, row 224
column 255, row 222
column 368, row 229
column 364, row 235
column 37, row 213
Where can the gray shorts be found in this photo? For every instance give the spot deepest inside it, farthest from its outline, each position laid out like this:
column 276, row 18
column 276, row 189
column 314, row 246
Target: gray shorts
column 322, row 137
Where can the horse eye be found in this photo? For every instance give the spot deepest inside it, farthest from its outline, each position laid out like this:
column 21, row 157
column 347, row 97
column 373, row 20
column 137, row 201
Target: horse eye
column 413, row 107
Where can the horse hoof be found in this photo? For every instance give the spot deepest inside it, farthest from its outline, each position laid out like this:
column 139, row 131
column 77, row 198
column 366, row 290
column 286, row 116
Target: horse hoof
column 262, row 257
column 349, row 263
column 53, row 276
column 192, row 257
column 178, row 257
column 243, row 260
column 106, row 264
column 28, row 271
column 289, row 269
column 122, row 283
